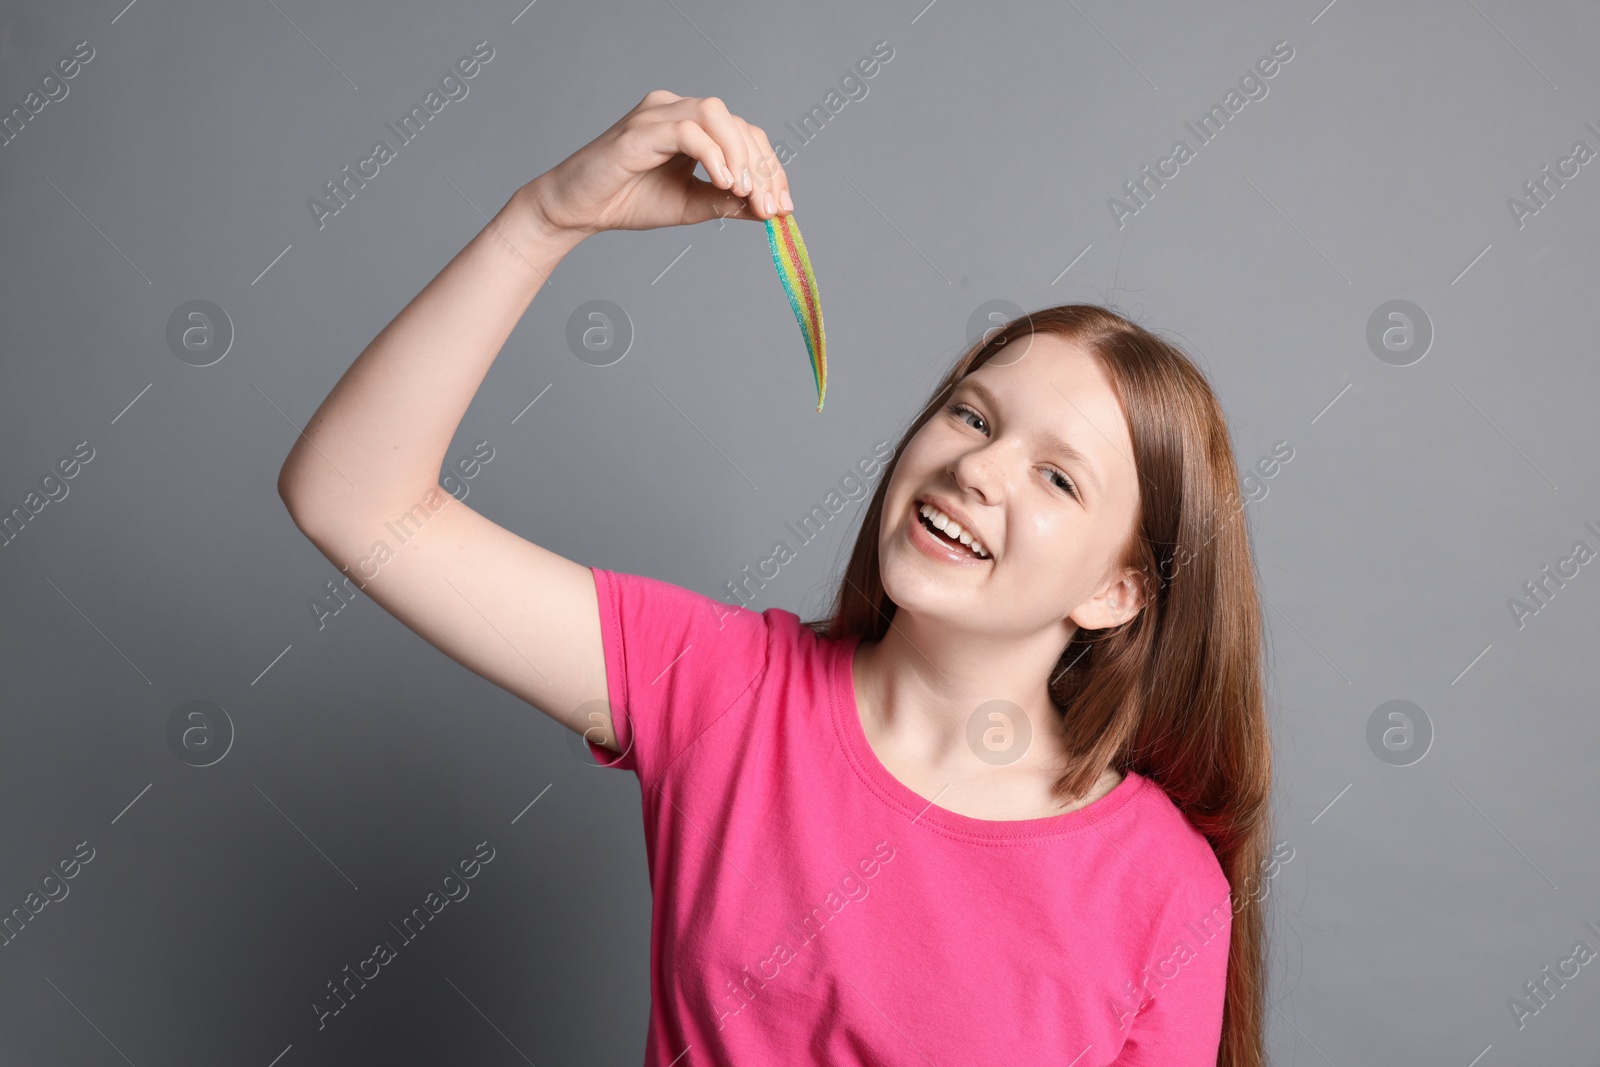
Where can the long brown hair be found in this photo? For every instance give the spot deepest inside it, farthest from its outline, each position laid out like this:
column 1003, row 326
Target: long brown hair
column 1177, row 693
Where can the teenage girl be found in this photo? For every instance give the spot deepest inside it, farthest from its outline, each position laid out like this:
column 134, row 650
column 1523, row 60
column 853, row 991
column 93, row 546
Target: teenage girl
column 1008, row 804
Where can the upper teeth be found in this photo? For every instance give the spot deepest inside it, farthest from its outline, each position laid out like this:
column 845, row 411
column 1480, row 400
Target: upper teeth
column 953, row 529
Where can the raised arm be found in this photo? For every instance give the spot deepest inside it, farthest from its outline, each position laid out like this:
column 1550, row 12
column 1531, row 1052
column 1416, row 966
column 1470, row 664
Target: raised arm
column 365, row 471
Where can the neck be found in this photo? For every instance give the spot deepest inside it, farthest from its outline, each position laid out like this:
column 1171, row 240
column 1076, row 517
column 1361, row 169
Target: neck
column 922, row 684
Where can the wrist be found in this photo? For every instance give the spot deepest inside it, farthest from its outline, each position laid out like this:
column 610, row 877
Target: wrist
column 527, row 210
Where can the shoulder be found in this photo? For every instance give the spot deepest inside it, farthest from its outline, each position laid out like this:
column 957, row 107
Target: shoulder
column 1188, row 860
column 1182, row 948
column 666, row 644
column 676, row 660
column 652, row 606
column 651, row 625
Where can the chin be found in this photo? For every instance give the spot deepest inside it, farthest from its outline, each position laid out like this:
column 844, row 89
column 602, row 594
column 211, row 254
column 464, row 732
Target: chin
column 913, row 588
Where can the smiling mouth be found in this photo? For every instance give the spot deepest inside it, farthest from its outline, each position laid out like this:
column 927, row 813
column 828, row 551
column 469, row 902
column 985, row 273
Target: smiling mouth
column 940, row 535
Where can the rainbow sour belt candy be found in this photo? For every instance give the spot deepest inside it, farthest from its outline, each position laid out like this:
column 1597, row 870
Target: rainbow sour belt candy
column 800, row 283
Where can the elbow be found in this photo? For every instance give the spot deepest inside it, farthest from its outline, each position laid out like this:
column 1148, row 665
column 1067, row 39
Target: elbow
column 291, row 490
column 286, row 487
column 304, row 514
column 286, row 483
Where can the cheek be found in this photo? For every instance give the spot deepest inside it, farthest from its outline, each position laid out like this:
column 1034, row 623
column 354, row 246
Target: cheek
column 920, row 452
column 1053, row 549
column 914, row 471
column 1039, row 530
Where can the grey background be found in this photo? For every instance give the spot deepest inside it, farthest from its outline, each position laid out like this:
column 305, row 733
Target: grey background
column 1419, row 499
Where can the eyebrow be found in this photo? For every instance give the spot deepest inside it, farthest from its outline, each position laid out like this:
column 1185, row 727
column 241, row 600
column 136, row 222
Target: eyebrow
column 1055, row 441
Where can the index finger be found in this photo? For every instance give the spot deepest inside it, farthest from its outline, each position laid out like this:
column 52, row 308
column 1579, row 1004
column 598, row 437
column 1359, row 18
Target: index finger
column 766, row 164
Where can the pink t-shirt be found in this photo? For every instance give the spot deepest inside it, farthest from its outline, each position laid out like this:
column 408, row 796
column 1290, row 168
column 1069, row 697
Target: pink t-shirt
column 810, row 908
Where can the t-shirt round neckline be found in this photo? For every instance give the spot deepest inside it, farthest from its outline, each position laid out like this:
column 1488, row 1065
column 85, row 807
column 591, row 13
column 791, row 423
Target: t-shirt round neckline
column 865, row 762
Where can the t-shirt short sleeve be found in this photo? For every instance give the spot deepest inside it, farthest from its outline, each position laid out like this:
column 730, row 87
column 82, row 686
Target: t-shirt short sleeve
column 1179, row 1023
column 675, row 661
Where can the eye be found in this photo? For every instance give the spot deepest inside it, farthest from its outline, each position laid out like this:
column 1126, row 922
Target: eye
column 961, row 410
column 1066, row 483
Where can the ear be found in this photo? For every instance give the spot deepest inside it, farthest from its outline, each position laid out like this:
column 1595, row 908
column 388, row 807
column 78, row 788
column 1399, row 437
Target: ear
column 1119, row 600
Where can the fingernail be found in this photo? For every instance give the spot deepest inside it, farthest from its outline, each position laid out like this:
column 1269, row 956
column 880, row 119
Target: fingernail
column 727, row 175
column 786, row 199
column 747, row 183
column 766, row 202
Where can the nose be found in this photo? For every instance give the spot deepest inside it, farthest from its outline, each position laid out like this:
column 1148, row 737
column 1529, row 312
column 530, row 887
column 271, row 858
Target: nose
column 980, row 471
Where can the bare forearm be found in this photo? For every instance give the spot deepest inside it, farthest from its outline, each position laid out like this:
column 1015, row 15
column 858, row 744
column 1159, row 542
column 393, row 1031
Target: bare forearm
column 379, row 438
